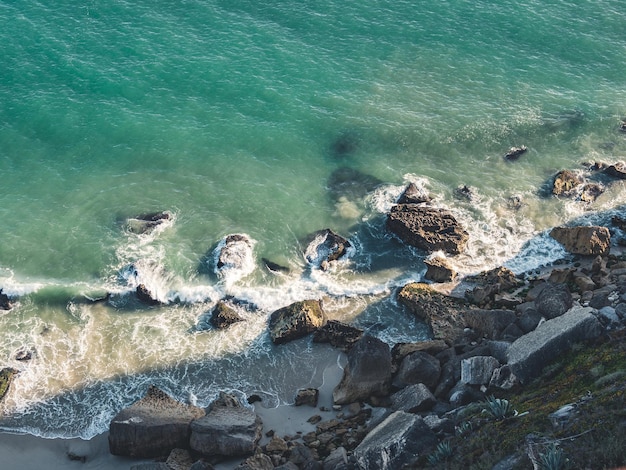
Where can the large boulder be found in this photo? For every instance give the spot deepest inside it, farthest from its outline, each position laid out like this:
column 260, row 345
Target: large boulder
column 413, row 399
column 441, row 312
column 583, row 240
column 152, row 427
column 398, row 441
column 478, row 370
column 418, row 367
column 5, row 301
column 6, row 377
column 529, row 354
column 224, row 315
column 228, row 430
column 234, row 257
column 565, row 182
column 488, row 323
column 146, row 223
column 368, row 372
column 338, row 334
column 427, row 228
column 325, row 246
column 554, row 300
column 438, row 269
column 413, row 195
column 295, row 321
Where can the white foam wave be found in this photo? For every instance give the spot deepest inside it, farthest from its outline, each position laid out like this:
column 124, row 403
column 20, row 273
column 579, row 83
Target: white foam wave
column 234, row 258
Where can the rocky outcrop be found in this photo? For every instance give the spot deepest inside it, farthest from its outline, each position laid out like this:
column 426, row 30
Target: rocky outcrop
column 325, row 247
column 439, row 270
column 152, row 427
column 228, row 430
column 492, row 288
column 583, row 240
column 617, row 170
column 338, row 334
column 6, row 377
column 234, row 253
column 529, row 354
column 307, row 396
column 565, row 182
column 399, row 440
column 351, row 184
column 295, row 321
column 146, row 223
column 427, row 228
column 146, row 296
column 515, row 152
column 368, row 372
column 224, row 315
column 413, row 195
column 5, row 301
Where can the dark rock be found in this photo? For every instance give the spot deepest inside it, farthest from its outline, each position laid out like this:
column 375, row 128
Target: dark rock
column 338, row 334
column 152, row 427
column 490, row 284
column 590, row 192
column 530, row 353
column 463, row 394
column 325, row 246
column 336, row 458
column 274, row 267
column 145, row 296
column 24, row 354
column 224, row 315
column 399, row 440
column 617, row 170
column 146, row 223
column 401, row 350
column 465, row 193
column 179, row 459
column 418, row 367
column 307, row 396
column 478, row 370
column 413, row 195
column 201, row 465
column 295, row 321
column 441, row 312
column 439, row 270
column 583, row 240
column 7, row 375
column 565, row 182
column 367, row 373
column 601, row 297
column 151, row 466
column 351, row 184
column 427, row 228
column 554, row 300
column 515, row 152
column 413, row 399
column 503, row 378
column 488, row 323
column 256, row 462
column 226, row 430
column 254, row 398
column 5, row 301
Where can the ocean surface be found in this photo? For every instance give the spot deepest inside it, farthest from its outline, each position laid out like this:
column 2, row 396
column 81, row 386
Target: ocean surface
column 274, row 120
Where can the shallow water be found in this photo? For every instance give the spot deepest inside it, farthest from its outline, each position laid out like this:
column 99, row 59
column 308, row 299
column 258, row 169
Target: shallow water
column 241, row 117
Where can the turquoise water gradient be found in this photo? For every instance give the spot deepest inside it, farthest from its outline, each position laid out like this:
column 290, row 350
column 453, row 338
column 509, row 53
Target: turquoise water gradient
column 227, row 114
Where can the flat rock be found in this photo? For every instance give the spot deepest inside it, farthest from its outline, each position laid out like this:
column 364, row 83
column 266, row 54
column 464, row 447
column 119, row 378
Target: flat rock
column 296, row 321
column 152, row 427
column 427, row 228
column 399, row 440
column 583, row 240
column 439, row 270
column 338, row 334
column 413, row 399
column 529, row 354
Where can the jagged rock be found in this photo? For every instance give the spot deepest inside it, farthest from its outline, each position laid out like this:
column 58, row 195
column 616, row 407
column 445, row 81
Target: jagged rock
column 427, row 228
column 530, row 353
column 152, row 427
column 478, row 370
column 179, row 459
column 201, row 465
column 274, row 267
column 441, row 312
column 413, row 195
column 439, row 270
column 554, row 300
column 227, row 430
column 367, row 373
column 146, row 223
column 583, row 240
column 401, row 350
column 418, row 367
column 224, row 315
column 144, row 295
column 565, row 181
column 491, row 284
column 603, row 297
column 503, row 378
column 488, row 323
column 515, row 152
column 617, row 170
column 25, row 354
column 590, row 192
column 399, row 440
column 5, row 301
column 465, row 192
column 338, row 334
column 335, row 459
column 307, row 396
column 325, row 246
column 256, row 462
column 276, row 445
column 6, row 377
column 413, row 399
column 295, row 321
column 234, row 253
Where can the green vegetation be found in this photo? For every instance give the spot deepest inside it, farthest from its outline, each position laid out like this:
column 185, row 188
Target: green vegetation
column 591, row 377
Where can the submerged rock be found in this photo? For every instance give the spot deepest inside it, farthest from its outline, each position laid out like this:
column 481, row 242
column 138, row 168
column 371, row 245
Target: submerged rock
column 583, row 240
column 275, row 267
column 326, row 246
column 345, row 145
column 146, row 223
column 296, row 321
column 427, row 228
column 515, row 152
column 152, row 427
column 351, row 184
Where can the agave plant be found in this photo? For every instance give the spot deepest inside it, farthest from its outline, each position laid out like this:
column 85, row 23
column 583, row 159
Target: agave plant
column 442, row 452
column 499, row 408
column 552, row 459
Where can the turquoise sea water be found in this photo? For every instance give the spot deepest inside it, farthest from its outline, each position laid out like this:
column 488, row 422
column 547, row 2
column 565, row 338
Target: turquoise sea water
column 234, row 117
